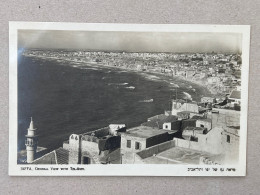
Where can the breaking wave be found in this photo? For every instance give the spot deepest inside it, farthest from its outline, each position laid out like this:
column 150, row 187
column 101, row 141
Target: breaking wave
column 151, row 77
column 147, row 101
column 175, row 85
column 130, row 87
column 119, row 84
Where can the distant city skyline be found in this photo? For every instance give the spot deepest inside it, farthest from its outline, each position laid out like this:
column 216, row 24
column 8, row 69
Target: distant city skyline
column 131, row 41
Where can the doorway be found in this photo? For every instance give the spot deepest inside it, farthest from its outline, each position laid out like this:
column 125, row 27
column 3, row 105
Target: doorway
column 86, row 160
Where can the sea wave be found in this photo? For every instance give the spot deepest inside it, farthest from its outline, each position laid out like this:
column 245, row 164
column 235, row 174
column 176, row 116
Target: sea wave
column 130, row 87
column 88, row 68
column 120, row 84
column 121, row 71
column 175, row 85
column 152, row 77
column 147, row 101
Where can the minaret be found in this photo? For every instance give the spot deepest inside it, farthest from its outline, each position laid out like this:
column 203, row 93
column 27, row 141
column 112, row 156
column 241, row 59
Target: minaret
column 31, row 142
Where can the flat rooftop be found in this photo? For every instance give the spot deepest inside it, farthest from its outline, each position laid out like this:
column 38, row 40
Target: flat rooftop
column 225, row 118
column 235, row 94
column 205, row 119
column 177, row 155
column 146, row 132
column 163, row 118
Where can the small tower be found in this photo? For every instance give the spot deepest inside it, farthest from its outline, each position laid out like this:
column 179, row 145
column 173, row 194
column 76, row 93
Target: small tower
column 31, row 142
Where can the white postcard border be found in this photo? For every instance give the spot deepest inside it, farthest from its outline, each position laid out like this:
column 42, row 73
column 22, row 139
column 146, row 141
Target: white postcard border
column 125, row 170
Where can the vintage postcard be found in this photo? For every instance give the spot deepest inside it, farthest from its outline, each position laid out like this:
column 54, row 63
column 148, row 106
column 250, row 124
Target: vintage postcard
column 128, row 99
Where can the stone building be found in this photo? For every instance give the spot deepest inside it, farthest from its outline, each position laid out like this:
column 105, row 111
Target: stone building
column 158, row 121
column 95, row 147
column 186, row 109
column 208, row 100
column 222, row 139
column 140, row 138
column 100, row 146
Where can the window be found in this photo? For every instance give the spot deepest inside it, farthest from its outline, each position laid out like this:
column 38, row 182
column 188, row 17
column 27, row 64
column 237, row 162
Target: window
column 128, row 143
column 137, row 145
column 202, row 125
column 166, row 126
column 228, row 138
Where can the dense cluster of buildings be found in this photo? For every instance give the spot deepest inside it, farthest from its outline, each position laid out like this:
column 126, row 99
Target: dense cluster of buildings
column 221, row 73
column 190, row 133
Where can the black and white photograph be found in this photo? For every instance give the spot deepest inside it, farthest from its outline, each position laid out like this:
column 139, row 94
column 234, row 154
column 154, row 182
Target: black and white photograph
column 128, row 99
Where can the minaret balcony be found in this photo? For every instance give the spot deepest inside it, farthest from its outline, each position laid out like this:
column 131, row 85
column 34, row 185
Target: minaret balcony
column 30, row 143
column 31, row 136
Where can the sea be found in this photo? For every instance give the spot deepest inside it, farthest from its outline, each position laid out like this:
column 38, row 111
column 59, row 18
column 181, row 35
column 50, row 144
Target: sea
column 66, row 97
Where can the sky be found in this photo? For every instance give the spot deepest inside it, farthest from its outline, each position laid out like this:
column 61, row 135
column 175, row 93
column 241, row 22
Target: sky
column 131, row 41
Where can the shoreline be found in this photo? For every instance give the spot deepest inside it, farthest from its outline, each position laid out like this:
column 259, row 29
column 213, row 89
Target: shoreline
column 205, row 91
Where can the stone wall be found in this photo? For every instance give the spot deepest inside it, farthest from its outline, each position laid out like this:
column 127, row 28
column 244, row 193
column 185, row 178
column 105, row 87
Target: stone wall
column 109, row 143
column 90, row 149
column 231, row 148
column 190, row 132
column 100, row 132
column 89, row 156
column 155, row 149
column 66, row 145
column 151, row 141
column 188, row 123
column 210, row 142
column 89, row 146
column 138, row 159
